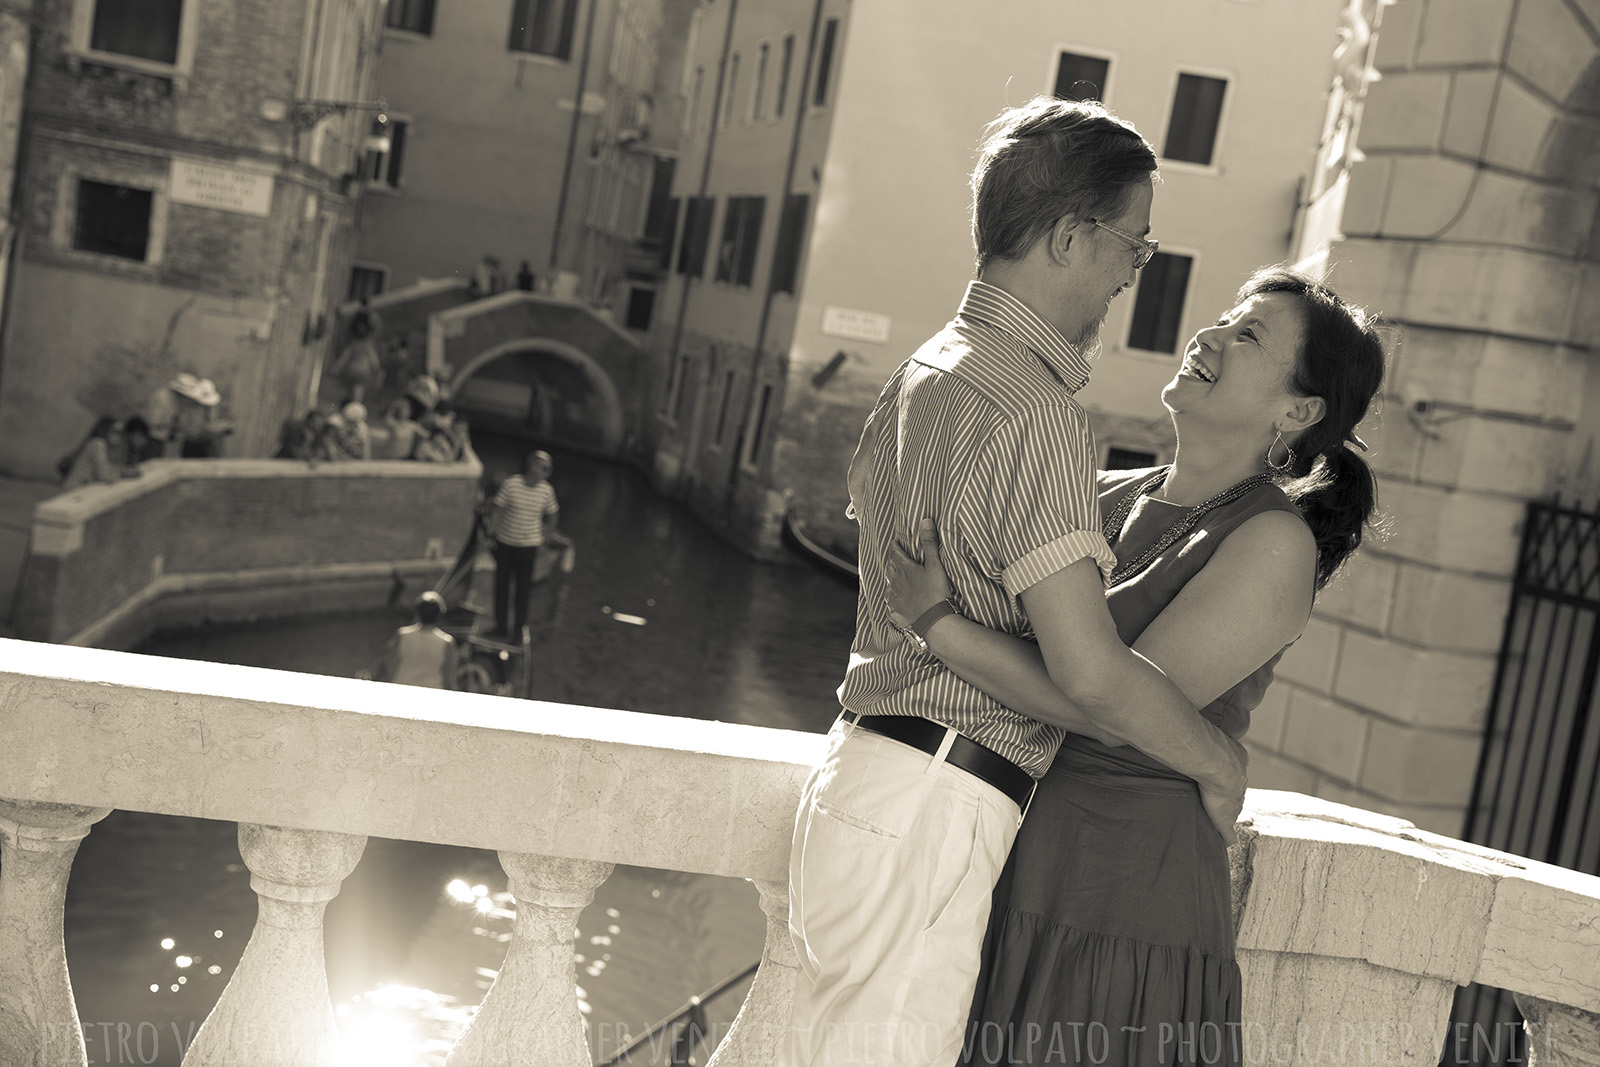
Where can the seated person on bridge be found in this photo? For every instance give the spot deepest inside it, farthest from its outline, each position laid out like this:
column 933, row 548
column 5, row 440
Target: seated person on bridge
column 422, row 653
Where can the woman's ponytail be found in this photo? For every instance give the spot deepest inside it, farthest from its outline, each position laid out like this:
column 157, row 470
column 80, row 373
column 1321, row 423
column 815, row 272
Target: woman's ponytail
column 1341, row 361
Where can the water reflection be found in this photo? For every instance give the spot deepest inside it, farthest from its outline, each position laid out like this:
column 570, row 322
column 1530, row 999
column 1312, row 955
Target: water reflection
column 660, row 616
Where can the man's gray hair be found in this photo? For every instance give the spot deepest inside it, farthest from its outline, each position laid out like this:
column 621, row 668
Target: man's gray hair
column 1050, row 158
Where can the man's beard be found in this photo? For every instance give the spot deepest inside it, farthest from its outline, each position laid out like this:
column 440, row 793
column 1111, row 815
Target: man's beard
column 1088, row 339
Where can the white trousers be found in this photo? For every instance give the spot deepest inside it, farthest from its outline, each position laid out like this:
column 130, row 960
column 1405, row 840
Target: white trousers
column 894, row 861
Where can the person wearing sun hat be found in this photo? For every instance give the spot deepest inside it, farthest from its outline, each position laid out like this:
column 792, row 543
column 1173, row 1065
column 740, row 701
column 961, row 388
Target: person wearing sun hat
column 195, row 422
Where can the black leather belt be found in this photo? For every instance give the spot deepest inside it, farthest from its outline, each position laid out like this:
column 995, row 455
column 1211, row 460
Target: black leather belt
column 927, row 735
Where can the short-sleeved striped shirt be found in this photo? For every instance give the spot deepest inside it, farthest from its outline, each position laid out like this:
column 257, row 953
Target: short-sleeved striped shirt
column 979, row 431
column 520, row 509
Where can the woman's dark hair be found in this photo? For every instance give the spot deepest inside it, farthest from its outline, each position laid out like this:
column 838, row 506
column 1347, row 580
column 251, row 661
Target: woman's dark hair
column 1341, row 361
column 103, row 426
column 135, row 424
column 1050, row 158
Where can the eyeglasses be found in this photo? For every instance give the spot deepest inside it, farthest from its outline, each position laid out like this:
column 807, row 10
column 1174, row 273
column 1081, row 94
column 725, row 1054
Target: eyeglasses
column 1144, row 249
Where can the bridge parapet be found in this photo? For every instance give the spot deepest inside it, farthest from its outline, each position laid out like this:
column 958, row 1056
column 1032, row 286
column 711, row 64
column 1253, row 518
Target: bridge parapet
column 1354, row 928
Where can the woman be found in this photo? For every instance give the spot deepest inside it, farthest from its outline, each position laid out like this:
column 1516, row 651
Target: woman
column 91, row 462
column 1111, row 937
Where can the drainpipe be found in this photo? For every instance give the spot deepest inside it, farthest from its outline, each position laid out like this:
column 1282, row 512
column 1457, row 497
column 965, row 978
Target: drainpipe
column 801, row 103
column 572, row 138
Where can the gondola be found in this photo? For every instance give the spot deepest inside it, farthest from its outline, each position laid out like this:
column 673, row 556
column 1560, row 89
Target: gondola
column 795, row 537
column 488, row 664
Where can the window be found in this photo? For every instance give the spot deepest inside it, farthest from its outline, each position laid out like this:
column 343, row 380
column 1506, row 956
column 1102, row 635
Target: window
column 543, row 27
column 112, row 220
column 1196, row 114
column 791, row 238
column 830, row 36
column 144, row 29
column 661, row 214
column 382, row 166
column 366, row 281
column 1158, row 306
column 641, row 307
column 1128, row 459
column 413, row 15
column 783, row 75
column 761, row 82
column 668, row 233
column 741, row 233
column 761, row 425
column 730, row 91
column 722, row 414
column 1081, row 77
column 696, row 236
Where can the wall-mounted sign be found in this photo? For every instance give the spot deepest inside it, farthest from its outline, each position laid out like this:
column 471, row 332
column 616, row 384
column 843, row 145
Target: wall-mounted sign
column 855, row 325
column 224, row 188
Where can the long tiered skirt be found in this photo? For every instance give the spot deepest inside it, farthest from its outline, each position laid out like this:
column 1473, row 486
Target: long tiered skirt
column 1111, row 938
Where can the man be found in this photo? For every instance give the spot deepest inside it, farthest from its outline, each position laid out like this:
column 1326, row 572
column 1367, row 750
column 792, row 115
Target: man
column 522, row 517
column 422, row 653
column 904, row 827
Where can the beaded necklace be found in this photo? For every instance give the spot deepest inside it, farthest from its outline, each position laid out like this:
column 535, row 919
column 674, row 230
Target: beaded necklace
column 1111, row 528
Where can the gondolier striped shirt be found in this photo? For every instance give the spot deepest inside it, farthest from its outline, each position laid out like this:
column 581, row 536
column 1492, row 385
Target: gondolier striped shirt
column 980, row 431
column 520, row 510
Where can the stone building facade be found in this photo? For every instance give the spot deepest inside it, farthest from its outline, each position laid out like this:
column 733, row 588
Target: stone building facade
column 1467, row 216
column 186, row 201
column 526, row 130
column 759, row 96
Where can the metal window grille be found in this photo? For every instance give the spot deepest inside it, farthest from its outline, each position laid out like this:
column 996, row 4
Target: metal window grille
column 1537, row 788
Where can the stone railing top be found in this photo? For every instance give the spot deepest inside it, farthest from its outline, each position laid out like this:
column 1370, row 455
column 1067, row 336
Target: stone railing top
column 1330, row 880
column 112, row 729
column 77, row 506
column 108, row 729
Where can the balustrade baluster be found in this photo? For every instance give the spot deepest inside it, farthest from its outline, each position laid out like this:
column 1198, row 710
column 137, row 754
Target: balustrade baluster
column 38, row 1017
column 758, row 1030
column 530, row 1015
column 1559, row 1035
column 275, row 1009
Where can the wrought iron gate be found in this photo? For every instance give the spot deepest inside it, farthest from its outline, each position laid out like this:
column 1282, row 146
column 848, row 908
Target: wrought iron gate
column 1536, row 793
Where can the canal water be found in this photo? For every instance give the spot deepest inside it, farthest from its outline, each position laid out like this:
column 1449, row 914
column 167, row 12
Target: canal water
column 658, row 616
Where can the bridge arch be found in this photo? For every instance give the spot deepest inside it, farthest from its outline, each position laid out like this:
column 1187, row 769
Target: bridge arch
column 543, row 386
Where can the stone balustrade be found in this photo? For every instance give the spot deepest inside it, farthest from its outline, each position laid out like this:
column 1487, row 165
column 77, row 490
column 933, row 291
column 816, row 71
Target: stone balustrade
column 1354, row 928
column 235, row 539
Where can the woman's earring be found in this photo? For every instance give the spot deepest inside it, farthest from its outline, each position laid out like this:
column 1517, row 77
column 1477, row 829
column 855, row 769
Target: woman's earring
column 1288, row 460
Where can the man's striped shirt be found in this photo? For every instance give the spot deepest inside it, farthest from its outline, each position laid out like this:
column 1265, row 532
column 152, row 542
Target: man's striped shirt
column 520, row 509
column 978, row 430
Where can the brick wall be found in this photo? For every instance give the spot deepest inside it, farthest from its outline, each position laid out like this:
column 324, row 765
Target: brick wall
column 185, row 525
column 240, row 298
